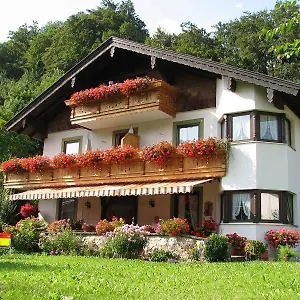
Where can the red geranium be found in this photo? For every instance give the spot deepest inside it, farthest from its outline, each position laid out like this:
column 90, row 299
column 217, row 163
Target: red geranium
column 206, row 228
column 173, row 227
column 90, row 159
column 120, row 155
column 237, row 242
column 64, row 161
column 159, row 153
column 283, row 237
column 36, row 163
column 12, row 165
column 28, row 210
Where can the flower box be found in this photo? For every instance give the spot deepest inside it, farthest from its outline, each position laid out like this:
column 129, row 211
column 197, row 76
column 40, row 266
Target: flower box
column 128, row 169
column 70, row 174
column 174, row 165
column 16, row 177
column 95, row 173
column 43, row 175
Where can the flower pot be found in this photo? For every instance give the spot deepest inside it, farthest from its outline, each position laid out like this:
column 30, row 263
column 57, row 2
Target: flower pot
column 272, row 253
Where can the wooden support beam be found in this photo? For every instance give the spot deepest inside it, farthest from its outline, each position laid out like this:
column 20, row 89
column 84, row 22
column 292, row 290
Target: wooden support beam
column 274, row 97
column 230, row 83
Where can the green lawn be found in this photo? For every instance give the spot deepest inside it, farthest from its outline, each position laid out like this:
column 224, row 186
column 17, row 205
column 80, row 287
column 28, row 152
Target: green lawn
column 66, row 277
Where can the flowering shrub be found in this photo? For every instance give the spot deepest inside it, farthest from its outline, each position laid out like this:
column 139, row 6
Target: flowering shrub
column 12, row 165
column 127, row 241
column 206, row 228
column 28, row 210
column 283, row 237
column 60, row 225
column 64, row 161
column 60, row 242
column 90, row 159
column 203, row 148
column 105, row 226
column 173, row 227
column 25, row 235
column 104, row 91
column 254, row 248
column 120, row 155
column 237, row 242
column 36, row 163
column 159, row 153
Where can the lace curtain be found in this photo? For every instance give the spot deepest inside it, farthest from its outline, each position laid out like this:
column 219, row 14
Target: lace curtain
column 241, row 127
column 240, row 206
column 268, row 127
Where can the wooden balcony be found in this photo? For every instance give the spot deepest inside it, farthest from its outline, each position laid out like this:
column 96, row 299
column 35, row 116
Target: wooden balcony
column 179, row 168
column 153, row 103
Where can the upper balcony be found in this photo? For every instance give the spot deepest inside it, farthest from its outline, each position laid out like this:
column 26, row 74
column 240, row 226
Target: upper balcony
column 101, row 109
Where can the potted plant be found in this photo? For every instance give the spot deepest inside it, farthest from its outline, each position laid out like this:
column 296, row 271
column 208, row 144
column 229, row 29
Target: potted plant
column 254, row 249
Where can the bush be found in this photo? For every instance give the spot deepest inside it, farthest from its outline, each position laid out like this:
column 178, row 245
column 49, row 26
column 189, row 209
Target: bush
column 162, row 255
column 25, row 235
column 285, row 253
column 173, row 227
column 254, row 248
column 61, row 242
column 8, row 209
column 127, row 241
column 282, row 237
column 58, row 226
column 105, row 226
column 216, row 248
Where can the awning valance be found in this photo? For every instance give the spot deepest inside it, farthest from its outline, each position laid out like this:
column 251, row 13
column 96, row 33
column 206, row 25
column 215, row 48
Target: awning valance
column 156, row 188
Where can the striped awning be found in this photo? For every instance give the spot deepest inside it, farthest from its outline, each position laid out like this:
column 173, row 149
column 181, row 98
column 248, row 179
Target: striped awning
column 156, row 188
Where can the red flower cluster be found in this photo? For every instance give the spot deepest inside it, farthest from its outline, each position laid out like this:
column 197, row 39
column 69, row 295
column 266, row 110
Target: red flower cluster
column 237, row 242
column 173, row 227
column 159, row 153
column 120, row 154
column 13, row 165
column 28, row 210
column 282, row 237
column 58, row 226
column 36, row 163
column 64, row 161
column 104, row 91
column 205, row 228
column 104, row 226
column 90, row 159
column 202, row 148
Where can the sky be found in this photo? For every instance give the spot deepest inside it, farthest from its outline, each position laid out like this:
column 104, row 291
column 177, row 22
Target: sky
column 168, row 14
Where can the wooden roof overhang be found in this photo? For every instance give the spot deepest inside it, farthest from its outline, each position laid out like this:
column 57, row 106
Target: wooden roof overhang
column 122, row 55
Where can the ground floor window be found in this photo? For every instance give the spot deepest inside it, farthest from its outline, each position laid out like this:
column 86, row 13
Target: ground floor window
column 257, row 206
column 67, row 209
column 187, row 207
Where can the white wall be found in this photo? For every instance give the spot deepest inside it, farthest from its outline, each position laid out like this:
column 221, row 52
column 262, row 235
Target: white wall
column 48, row 209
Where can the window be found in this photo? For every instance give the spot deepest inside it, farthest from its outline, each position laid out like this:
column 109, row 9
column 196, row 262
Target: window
column 256, row 125
column 72, row 145
column 187, row 131
column 269, row 206
column 241, row 127
column 119, row 134
column 187, row 207
column 67, row 209
column 257, row 206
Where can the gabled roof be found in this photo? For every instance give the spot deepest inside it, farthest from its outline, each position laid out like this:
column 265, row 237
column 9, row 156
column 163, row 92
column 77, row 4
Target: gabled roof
column 114, row 43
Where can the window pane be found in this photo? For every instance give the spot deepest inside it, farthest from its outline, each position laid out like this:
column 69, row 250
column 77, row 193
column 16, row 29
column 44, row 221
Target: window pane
column 72, row 147
column 241, row 206
column 241, row 128
column 188, row 208
column 188, row 133
column 68, row 208
column 269, row 127
column 289, row 212
column 269, row 206
column 287, row 129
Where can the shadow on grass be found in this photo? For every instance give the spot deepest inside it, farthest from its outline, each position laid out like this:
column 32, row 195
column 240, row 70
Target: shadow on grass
column 20, row 266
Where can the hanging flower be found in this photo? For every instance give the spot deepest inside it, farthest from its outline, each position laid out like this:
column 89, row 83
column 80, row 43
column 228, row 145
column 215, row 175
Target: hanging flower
column 90, row 159
column 120, row 155
column 36, row 163
column 64, row 161
column 12, row 165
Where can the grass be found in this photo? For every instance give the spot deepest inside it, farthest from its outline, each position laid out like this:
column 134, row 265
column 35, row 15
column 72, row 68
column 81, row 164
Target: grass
column 67, row 277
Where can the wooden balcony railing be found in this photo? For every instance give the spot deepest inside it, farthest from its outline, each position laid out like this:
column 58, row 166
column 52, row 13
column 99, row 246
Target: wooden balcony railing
column 179, row 168
column 155, row 102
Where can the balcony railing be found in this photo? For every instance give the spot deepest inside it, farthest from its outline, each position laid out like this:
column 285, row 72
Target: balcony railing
column 157, row 101
column 178, row 168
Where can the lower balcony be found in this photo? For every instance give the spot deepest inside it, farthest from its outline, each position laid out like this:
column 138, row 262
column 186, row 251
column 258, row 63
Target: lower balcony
column 178, row 168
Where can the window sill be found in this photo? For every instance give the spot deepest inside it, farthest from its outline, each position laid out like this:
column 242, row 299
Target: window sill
column 259, row 224
column 260, row 142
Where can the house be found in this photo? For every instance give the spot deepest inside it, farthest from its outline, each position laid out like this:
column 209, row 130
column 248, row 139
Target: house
column 255, row 190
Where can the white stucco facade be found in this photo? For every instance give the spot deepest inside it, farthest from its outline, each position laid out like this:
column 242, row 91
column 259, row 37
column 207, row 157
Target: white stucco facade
column 253, row 164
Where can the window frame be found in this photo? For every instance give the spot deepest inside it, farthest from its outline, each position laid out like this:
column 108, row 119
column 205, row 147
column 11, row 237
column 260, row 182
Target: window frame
column 226, row 207
column 70, row 140
column 186, row 124
column 255, row 116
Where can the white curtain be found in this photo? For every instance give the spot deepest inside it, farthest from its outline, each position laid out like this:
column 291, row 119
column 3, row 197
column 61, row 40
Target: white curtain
column 268, row 127
column 240, row 204
column 269, row 206
column 241, row 127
